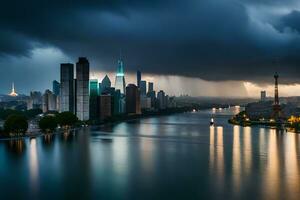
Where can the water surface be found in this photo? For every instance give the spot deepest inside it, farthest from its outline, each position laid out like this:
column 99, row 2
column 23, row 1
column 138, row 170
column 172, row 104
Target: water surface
column 169, row 157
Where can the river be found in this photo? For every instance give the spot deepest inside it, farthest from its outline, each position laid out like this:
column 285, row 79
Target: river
column 169, row 157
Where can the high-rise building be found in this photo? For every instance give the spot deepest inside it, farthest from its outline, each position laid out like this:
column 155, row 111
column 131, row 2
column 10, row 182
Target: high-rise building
column 150, row 87
column 67, row 88
column 104, row 101
column 152, row 96
column 138, row 78
column 120, row 77
column 263, row 96
column 117, row 102
column 143, row 88
column 82, row 89
column 93, row 98
column 105, row 83
column 55, row 87
column 133, row 105
column 145, row 103
column 161, row 100
column 49, row 101
column 35, row 100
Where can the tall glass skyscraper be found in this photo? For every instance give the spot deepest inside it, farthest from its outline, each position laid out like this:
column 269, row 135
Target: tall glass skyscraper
column 82, row 89
column 67, row 87
column 120, row 77
column 93, row 98
column 150, row 87
column 55, row 87
column 138, row 78
column 143, row 88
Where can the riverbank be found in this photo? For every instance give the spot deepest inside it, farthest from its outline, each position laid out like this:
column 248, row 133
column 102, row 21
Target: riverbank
column 108, row 121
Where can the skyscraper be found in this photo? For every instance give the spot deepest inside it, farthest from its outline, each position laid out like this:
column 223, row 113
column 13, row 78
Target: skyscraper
column 143, row 88
column 49, row 101
column 150, row 86
column 138, row 78
column 35, row 100
column 263, row 96
column 56, row 87
column 133, row 104
column 82, row 89
column 105, row 106
column 105, row 83
column 93, row 98
column 67, row 87
column 161, row 100
column 120, row 77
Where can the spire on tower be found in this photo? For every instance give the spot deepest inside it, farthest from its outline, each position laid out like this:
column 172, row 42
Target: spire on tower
column 13, row 91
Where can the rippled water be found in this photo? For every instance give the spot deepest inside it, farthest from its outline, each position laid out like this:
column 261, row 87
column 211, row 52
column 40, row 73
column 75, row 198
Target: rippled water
column 170, row 157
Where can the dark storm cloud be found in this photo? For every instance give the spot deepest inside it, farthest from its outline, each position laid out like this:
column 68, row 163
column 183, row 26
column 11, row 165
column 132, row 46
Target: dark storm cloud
column 210, row 39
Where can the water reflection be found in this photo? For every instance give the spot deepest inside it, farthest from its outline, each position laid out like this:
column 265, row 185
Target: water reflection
column 16, row 146
column 292, row 177
column 47, row 139
column 236, row 158
column 271, row 188
column 33, row 165
column 216, row 152
column 247, row 150
column 155, row 158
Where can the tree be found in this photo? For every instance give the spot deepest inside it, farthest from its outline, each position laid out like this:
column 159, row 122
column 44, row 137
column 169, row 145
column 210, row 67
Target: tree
column 66, row 119
column 48, row 124
column 16, row 125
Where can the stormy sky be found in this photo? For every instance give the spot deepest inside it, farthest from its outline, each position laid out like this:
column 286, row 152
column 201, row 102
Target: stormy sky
column 203, row 43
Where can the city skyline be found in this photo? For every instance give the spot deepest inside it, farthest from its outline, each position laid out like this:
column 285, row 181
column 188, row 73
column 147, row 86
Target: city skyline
column 209, row 42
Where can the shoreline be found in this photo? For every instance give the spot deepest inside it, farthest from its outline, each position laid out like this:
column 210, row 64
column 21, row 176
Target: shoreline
column 269, row 125
column 109, row 122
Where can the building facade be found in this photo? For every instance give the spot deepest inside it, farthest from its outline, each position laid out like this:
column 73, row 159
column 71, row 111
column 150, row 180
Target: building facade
column 82, row 89
column 120, row 77
column 56, row 87
column 133, row 105
column 93, row 98
column 105, row 106
column 143, row 88
column 67, row 102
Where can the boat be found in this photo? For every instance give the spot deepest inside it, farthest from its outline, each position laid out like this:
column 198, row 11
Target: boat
column 212, row 121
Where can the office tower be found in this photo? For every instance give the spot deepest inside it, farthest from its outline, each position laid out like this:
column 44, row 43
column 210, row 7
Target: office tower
column 152, row 96
column 161, row 100
column 106, row 83
column 133, row 105
column 143, row 88
column 150, row 87
column 145, row 103
column 82, row 89
column 34, row 101
column 263, row 96
column 104, row 101
column 100, row 88
column 49, row 101
column 117, row 102
column 138, row 78
column 56, row 87
column 120, row 77
column 93, row 98
column 67, row 88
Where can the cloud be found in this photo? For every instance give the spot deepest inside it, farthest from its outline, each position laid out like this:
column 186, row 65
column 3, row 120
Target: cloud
column 214, row 40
